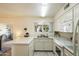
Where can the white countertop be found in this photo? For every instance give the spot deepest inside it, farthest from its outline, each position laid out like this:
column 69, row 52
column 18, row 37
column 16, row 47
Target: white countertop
column 20, row 40
column 63, row 42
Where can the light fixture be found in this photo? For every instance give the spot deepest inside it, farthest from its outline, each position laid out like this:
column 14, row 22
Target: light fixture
column 18, row 33
column 44, row 3
column 44, row 9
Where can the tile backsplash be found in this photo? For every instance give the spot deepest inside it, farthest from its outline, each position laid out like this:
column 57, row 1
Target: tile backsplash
column 65, row 34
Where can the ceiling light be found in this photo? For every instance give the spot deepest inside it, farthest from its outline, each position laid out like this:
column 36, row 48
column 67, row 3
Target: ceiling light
column 43, row 10
column 43, row 3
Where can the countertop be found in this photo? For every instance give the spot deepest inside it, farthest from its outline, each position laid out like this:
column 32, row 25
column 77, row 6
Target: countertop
column 20, row 40
column 64, row 42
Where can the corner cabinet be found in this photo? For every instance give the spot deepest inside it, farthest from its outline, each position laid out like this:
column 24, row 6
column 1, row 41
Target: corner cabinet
column 65, row 21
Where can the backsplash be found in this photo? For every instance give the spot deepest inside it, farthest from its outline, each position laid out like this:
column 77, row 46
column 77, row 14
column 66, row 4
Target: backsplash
column 64, row 34
column 67, row 35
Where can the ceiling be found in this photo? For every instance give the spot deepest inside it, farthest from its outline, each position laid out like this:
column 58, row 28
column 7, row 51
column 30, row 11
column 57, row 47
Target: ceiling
column 27, row 9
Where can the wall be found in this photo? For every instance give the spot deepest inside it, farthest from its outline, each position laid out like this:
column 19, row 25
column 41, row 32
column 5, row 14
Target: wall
column 19, row 23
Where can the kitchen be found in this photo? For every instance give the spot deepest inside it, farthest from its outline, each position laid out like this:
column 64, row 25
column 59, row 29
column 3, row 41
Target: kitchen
column 51, row 34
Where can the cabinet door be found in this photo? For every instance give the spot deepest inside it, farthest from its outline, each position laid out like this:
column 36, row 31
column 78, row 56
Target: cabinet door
column 76, row 14
column 67, row 53
column 51, row 44
column 68, row 16
column 48, row 44
column 31, row 49
column 66, row 24
column 38, row 44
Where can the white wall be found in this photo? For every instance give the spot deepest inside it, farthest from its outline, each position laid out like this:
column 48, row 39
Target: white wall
column 19, row 23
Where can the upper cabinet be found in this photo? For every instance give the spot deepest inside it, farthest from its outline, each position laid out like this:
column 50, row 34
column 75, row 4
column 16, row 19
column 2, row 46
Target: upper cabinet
column 64, row 22
column 67, row 16
column 67, row 21
column 76, row 14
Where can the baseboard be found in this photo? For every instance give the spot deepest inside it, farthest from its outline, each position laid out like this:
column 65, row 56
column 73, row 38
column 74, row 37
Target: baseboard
column 43, row 50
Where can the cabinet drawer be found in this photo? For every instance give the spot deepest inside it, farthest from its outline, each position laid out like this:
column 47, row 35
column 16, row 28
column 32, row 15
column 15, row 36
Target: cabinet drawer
column 67, row 53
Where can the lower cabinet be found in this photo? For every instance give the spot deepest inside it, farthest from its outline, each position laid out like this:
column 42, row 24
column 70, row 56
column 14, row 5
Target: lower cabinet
column 38, row 44
column 31, row 49
column 43, row 44
column 22, row 49
column 48, row 44
column 67, row 53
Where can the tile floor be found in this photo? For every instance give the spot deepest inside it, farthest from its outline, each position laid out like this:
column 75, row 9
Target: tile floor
column 44, row 54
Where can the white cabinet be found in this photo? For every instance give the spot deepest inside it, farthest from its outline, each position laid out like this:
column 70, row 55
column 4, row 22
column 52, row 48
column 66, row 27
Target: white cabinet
column 22, row 49
column 76, row 18
column 31, row 49
column 68, row 21
column 76, row 14
column 48, row 44
column 43, row 44
column 68, row 16
column 67, row 53
column 64, row 22
column 67, row 27
column 38, row 44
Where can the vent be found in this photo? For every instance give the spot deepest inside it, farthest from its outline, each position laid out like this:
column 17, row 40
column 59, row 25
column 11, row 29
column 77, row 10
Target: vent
column 66, row 6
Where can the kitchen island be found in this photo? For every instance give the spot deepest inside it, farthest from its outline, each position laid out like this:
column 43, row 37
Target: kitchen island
column 21, row 46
